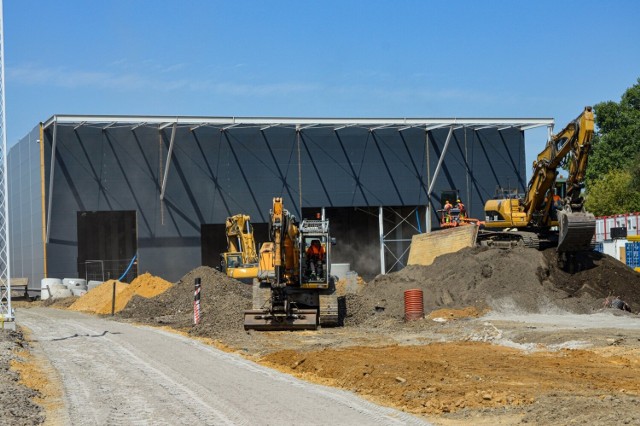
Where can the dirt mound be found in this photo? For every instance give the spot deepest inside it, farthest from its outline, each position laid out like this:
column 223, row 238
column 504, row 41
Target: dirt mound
column 515, row 280
column 442, row 378
column 145, row 285
column 602, row 276
column 99, row 299
column 16, row 400
column 222, row 301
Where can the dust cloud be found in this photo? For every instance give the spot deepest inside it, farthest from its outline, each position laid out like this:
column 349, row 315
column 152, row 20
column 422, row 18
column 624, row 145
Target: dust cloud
column 364, row 258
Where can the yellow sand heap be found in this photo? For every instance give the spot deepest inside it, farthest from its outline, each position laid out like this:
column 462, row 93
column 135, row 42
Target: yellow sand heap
column 145, row 285
column 98, row 300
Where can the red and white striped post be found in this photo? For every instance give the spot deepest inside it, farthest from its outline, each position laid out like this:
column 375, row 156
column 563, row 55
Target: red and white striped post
column 196, row 302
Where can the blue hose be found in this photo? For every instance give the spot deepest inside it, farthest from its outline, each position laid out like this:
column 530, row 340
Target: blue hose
column 128, row 267
column 418, row 220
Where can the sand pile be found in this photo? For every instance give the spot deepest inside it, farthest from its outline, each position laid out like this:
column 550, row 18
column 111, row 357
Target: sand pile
column 516, row 280
column 222, row 302
column 145, row 285
column 99, row 299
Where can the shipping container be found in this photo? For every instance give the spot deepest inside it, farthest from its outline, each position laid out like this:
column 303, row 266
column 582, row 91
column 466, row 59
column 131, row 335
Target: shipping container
column 604, row 224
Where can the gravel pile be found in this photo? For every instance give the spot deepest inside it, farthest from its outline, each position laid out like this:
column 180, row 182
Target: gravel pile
column 16, row 406
column 222, row 302
column 515, row 280
column 511, row 281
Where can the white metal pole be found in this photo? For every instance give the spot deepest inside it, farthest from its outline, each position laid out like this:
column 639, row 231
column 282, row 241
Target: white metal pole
column 381, row 230
column 5, row 260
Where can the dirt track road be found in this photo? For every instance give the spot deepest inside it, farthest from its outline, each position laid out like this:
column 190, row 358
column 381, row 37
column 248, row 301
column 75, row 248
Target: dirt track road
column 119, row 374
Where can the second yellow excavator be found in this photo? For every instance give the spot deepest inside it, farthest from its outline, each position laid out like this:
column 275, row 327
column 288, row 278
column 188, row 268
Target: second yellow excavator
column 545, row 216
column 240, row 261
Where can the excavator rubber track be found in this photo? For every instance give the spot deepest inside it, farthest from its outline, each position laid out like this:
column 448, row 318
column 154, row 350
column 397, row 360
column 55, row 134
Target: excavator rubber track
column 260, row 317
column 508, row 239
column 575, row 231
column 328, row 310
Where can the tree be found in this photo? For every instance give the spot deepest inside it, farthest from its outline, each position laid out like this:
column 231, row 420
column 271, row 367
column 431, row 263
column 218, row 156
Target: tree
column 612, row 194
column 613, row 173
column 617, row 141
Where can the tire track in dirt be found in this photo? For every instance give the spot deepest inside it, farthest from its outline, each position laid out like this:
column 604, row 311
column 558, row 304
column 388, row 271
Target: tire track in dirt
column 117, row 374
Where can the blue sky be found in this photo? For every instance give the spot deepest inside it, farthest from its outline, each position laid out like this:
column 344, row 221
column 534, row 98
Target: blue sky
column 317, row 58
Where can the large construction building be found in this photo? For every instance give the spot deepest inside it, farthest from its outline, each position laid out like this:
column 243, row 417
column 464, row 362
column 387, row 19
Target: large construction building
column 112, row 196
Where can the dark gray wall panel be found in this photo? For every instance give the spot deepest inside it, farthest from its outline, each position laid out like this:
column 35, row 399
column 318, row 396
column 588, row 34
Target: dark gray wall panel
column 25, row 209
column 214, row 174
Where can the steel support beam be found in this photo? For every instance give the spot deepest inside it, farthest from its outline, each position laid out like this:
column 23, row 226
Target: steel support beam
column 168, row 162
column 432, row 180
column 427, row 212
column 337, row 123
column 440, row 161
column 51, row 175
column 381, row 234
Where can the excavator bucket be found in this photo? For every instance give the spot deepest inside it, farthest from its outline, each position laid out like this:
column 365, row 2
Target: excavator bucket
column 575, row 231
column 260, row 319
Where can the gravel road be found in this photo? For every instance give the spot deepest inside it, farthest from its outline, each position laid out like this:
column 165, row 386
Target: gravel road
column 119, row 374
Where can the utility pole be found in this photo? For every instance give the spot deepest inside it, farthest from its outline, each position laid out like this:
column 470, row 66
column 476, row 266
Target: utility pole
column 6, row 312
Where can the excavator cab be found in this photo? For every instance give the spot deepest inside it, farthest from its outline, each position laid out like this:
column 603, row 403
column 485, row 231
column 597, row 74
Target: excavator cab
column 315, row 260
column 316, row 245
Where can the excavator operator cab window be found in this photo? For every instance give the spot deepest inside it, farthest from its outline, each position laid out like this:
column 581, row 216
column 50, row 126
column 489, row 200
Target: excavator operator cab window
column 315, row 258
column 233, row 261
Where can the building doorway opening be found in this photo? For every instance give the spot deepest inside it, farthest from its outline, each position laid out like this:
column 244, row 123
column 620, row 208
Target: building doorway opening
column 107, row 245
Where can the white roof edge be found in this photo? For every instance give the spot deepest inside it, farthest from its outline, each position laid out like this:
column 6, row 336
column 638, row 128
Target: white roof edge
column 80, row 120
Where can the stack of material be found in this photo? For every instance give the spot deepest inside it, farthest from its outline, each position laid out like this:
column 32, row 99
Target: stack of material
column 426, row 247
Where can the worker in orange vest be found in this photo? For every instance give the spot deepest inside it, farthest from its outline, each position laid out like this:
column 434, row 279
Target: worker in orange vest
column 555, row 206
column 462, row 209
column 447, row 211
column 315, row 258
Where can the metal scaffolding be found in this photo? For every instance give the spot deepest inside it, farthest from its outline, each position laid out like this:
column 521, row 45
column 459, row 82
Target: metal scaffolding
column 6, row 312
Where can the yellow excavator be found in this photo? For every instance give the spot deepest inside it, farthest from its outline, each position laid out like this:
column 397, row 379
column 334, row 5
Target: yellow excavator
column 240, row 261
column 545, row 216
column 292, row 290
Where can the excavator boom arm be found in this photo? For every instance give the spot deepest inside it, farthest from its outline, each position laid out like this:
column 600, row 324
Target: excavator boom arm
column 240, row 238
column 541, row 210
column 572, row 143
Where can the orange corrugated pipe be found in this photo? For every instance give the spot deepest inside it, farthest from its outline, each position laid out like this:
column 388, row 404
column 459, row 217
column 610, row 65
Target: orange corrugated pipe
column 413, row 305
